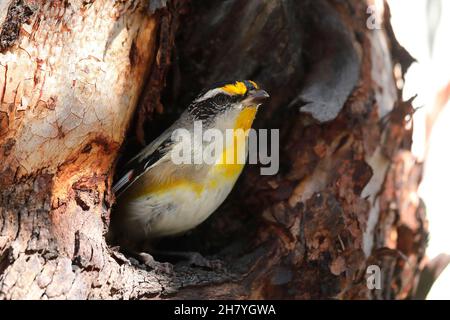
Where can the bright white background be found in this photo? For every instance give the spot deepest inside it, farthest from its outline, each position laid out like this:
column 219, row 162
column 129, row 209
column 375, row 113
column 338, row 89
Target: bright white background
column 426, row 78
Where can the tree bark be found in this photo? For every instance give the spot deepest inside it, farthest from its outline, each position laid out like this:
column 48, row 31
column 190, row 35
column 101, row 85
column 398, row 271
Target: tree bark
column 73, row 74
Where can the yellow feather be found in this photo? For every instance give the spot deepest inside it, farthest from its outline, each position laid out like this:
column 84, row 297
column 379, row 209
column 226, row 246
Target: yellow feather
column 254, row 84
column 237, row 88
column 160, row 187
column 245, row 118
column 228, row 165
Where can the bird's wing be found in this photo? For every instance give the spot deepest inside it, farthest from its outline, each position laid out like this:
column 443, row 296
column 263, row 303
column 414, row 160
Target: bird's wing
column 146, row 159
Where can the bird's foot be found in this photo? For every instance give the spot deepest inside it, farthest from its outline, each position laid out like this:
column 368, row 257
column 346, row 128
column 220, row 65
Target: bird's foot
column 194, row 259
column 149, row 262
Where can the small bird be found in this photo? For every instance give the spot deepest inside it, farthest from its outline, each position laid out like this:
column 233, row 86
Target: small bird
column 158, row 198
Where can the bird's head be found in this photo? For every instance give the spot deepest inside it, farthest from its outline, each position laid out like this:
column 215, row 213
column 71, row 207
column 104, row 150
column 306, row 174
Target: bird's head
column 227, row 98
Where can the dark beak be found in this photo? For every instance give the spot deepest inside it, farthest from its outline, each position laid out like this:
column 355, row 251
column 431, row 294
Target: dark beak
column 256, row 97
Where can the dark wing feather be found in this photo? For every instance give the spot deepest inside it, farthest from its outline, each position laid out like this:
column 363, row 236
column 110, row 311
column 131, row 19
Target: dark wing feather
column 140, row 164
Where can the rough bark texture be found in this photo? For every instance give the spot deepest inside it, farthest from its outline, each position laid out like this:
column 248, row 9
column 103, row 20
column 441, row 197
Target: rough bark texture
column 71, row 75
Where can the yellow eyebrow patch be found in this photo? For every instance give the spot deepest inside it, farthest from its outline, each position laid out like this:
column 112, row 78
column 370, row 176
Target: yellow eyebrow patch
column 237, row 88
column 254, row 84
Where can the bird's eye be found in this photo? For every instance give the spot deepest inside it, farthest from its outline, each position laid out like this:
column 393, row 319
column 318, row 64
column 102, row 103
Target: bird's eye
column 221, row 99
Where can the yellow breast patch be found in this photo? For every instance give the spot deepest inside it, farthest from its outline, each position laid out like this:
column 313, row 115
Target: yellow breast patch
column 228, row 166
column 245, row 118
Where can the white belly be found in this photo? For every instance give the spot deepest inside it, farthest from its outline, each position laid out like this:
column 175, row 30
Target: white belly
column 177, row 210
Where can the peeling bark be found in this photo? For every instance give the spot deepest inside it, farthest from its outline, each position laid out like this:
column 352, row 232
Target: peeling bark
column 346, row 194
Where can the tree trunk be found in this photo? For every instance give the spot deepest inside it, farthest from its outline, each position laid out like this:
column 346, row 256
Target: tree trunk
column 73, row 74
